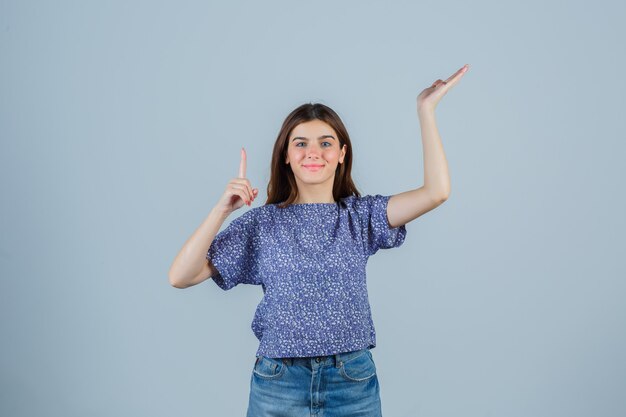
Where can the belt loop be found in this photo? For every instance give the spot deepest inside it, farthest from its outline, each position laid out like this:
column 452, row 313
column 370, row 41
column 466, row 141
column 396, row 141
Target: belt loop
column 337, row 360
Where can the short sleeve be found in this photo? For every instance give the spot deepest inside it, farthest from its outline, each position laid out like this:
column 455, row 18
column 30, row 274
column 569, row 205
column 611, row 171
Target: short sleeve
column 234, row 251
column 377, row 234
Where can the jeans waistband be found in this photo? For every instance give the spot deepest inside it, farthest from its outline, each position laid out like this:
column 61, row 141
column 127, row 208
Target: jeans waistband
column 336, row 359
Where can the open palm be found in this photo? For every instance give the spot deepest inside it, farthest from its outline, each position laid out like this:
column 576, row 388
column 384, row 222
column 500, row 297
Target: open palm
column 429, row 98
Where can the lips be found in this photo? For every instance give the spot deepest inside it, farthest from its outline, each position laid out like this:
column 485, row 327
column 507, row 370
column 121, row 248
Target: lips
column 313, row 167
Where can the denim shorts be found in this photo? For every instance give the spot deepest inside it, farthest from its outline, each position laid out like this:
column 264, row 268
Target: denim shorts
column 344, row 384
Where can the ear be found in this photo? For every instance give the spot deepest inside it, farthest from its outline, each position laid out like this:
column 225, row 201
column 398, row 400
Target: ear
column 343, row 153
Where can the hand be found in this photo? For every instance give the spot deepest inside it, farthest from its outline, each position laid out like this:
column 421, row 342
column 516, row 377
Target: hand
column 238, row 191
column 428, row 99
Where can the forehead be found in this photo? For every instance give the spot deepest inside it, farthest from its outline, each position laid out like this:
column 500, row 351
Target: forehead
column 312, row 129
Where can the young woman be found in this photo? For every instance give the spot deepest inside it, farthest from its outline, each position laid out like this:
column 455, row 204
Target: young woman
column 307, row 247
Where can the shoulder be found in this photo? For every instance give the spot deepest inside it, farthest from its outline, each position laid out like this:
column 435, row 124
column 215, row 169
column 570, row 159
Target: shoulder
column 256, row 216
column 244, row 220
column 366, row 203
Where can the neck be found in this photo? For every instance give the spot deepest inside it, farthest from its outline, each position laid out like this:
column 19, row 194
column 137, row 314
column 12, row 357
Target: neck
column 308, row 200
column 314, row 194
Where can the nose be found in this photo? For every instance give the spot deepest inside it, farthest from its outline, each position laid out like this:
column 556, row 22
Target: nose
column 313, row 150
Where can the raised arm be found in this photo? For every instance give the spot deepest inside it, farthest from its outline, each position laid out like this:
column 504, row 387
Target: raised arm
column 409, row 205
column 190, row 267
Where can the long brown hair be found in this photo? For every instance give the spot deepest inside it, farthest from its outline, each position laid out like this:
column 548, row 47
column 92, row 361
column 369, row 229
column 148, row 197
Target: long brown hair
column 282, row 186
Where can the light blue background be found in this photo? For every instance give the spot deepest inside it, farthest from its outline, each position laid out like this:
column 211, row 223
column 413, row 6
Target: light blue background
column 121, row 123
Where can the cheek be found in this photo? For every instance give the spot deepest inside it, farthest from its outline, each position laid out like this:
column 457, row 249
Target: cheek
column 331, row 155
column 294, row 153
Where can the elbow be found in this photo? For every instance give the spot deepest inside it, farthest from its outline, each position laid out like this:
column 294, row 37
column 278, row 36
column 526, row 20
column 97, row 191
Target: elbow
column 444, row 195
column 438, row 195
column 440, row 198
column 176, row 283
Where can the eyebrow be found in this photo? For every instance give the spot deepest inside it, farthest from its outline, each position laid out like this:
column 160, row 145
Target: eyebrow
column 321, row 137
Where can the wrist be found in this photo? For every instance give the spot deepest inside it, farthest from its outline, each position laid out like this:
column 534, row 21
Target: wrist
column 219, row 213
column 425, row 112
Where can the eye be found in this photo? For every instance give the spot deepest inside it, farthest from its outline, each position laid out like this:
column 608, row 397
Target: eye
column 325, row 144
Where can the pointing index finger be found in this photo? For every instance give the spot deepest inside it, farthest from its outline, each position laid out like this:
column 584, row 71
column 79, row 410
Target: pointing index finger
column 242, row 164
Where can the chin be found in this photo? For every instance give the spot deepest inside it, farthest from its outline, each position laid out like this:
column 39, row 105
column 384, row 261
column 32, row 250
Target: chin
column 308, row 180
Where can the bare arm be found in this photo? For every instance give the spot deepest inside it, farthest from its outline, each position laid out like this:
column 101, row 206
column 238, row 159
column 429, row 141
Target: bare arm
column 407, row 206
column 190, row 267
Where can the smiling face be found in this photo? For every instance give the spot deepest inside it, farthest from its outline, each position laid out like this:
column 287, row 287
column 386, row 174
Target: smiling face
column 313, row 152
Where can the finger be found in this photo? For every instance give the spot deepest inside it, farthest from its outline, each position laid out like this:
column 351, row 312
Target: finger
column 246, row 182
column 454, row 78
column 242, row 164
column 457, row 73
column 249, row 190
column 241, row 192
column 237, row 184
column 437, row 83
